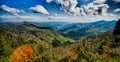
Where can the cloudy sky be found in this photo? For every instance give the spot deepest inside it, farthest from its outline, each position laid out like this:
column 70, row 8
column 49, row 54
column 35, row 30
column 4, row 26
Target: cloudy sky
column 59, row 10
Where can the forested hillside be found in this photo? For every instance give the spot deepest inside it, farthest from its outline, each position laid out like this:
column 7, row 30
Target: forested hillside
column 47, row 45
column 13, row 35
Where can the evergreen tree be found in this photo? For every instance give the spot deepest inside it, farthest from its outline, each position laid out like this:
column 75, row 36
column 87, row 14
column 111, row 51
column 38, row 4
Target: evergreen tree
column 116, row 34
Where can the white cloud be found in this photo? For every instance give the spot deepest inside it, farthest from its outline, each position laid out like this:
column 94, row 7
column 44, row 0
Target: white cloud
column 49, row 1
column 39, row 9
column 117, row 1
column 74, row 19
column 99, row 1
column 55, row 14
column 12, row 11
column 117, row 10
column 96, row 7
column 69, row 6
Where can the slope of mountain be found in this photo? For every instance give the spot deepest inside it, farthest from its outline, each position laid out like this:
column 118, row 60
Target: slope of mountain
column 81, row 30
column 13, row 35
column 96, row 49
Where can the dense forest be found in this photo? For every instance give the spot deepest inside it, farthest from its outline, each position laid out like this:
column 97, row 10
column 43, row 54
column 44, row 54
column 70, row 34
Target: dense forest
column 30, row 43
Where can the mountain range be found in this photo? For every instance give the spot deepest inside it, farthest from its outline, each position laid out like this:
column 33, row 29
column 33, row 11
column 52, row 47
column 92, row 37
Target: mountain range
column 79, row 30
column 51, row 46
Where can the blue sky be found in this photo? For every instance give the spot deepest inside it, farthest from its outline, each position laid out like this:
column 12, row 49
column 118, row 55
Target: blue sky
column 25, row 4
column 57, row 10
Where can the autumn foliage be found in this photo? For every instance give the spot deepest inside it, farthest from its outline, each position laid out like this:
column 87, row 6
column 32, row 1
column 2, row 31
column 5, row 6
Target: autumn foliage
column 71, row 54
column 22, row 54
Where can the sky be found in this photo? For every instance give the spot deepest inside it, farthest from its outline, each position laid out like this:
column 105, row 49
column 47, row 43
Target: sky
column 59, row 10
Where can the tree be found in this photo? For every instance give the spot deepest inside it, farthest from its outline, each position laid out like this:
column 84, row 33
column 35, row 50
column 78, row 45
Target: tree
column 22, row 54
column 116, row 34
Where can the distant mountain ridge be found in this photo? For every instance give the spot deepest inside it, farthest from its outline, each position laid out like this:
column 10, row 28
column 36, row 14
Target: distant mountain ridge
column 79, row 30
column 74, row 30
column 83, row 30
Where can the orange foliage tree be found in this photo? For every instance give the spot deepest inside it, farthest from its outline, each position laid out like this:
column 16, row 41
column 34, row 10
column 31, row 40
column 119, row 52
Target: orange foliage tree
column 22, row 54
column 71, row 54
